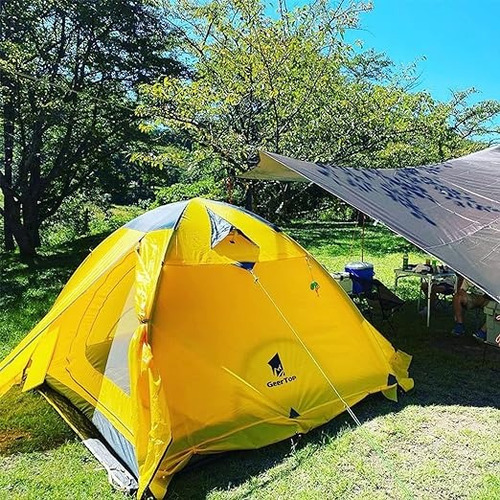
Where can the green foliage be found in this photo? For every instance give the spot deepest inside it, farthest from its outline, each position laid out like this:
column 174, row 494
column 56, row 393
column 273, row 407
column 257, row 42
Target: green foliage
column 81, row 215
column 206, row 188
column 188, row 173
column 332, row 212
column 68, row 74
column 251, row 75
column 78, row 216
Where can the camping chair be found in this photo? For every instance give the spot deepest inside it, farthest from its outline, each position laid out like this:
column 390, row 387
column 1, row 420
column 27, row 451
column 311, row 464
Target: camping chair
column 442, row 301
column 442, row 297
column 375, row 293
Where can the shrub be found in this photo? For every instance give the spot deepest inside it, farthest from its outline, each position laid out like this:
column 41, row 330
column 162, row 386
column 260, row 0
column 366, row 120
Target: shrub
column 205, row 188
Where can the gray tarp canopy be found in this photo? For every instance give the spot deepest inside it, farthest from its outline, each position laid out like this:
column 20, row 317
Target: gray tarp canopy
column 451, row 210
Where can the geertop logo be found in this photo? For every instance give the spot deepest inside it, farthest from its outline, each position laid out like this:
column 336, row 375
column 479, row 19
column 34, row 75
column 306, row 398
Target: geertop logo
column 276, row 366
column 279, row 372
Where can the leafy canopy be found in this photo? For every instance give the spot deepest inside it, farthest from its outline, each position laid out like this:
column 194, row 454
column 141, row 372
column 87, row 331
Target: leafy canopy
column 290, row 83
column 69, row 73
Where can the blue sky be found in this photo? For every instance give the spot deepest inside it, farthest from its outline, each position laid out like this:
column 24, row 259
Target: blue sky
column 460, row 40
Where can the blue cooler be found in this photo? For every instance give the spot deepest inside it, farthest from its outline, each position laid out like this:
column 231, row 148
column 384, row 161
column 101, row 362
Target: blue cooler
column 363, row 271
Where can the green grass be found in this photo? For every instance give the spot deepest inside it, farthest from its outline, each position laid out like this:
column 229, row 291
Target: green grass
column 439, row 441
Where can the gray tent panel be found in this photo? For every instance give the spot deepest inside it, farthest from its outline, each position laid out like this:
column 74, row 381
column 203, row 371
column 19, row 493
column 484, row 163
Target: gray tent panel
column 450, row 210
column 219, row 228
column 165, row 217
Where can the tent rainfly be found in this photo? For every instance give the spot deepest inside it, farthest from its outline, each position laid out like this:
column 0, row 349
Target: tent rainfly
column 195, row 329
column 450, row 210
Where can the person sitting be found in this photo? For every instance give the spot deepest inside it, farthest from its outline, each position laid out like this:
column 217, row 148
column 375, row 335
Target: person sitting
column 467, row 297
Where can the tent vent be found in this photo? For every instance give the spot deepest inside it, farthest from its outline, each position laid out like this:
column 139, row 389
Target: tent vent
column 219, row 227
column 246, row 265
column 293, row 413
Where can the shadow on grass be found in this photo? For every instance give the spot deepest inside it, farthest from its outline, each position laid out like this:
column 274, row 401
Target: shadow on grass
column 46, row 273
column 28, row 290
column 28, row 424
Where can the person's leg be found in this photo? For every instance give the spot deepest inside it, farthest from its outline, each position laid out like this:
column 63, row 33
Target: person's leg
column 459, row 303
column 478, row 302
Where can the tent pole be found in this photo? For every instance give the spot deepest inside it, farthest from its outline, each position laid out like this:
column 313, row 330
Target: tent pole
column 363, row 238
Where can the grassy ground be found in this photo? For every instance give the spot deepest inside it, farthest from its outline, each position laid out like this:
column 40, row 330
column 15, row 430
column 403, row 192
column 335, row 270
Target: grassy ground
column 439, row 441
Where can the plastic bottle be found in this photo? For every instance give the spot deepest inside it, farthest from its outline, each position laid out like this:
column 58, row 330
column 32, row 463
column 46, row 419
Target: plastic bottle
column 405, row 261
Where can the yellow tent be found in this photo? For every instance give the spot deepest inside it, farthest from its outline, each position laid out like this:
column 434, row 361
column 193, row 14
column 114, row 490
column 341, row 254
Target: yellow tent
column 199, row 328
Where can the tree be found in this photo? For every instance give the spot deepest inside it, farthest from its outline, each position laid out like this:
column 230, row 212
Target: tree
column 290, row 83
column 251, row 76
column 68, row 74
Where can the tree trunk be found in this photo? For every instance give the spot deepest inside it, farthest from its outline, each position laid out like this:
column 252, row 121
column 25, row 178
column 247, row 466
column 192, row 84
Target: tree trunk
column 358, row 217
column 249, row 196
column 282, row 207
column 9, row 115
column 8, row 140
column 30, row 227
column 25, row 241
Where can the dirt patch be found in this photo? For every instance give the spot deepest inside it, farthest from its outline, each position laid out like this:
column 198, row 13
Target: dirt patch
column 9, row 438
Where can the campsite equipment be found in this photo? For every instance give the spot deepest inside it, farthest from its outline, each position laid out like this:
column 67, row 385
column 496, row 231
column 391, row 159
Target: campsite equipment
column 492, row 310
column 364, row 273
column 379, row 295
column 194, row 330
column 405, row 262
column 426, row 275
column 449, row 210
column 344, row 280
